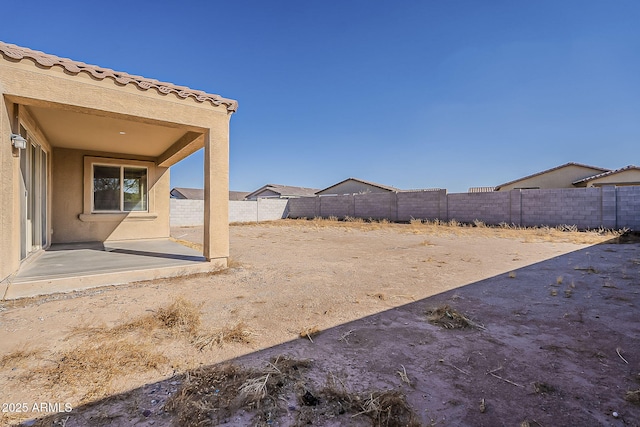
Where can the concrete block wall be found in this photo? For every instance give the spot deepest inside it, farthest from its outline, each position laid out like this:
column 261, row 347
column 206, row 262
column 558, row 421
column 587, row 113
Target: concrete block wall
column 243, row 211
column 191, row 212
column 628, row 207
column 186, row 212
column 491, row 208
column 422, row 205
column 609, row 207
column 304, row 207
column 573, row 206
column 271, row 209
column 339, row 206
column 376, row 206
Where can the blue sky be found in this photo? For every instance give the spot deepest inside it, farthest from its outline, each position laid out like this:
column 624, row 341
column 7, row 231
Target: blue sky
column 413, row 94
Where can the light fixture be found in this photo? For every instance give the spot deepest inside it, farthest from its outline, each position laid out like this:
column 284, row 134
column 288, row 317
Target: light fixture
column 18, row 141
column 122, row 132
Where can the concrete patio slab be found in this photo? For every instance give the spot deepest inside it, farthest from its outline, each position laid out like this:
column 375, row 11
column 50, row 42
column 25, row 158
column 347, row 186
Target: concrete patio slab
column 71, row 267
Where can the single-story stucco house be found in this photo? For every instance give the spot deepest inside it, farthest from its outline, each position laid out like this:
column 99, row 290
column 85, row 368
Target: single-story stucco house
column 628, row 175
column 355, row 186
column 562, row 176
column 85, row 154
column 276, row 191
column 186, row 193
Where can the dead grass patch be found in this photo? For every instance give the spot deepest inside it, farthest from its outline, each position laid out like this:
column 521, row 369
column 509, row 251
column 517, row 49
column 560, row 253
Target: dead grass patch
column 209, row 396
column 633, row 396
column 109, row 352
column 239, row 333
column 181, row 316
column 18, row 357
column 214, row 394
column 449, row 318
column 568, row 234
column 93, row 365
column 182, row 319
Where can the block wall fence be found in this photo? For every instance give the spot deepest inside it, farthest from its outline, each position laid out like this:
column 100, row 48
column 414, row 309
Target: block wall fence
column 191, row 212
column 594, row 207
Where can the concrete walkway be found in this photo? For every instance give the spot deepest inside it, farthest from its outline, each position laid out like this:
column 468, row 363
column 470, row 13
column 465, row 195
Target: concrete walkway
column 70, row 267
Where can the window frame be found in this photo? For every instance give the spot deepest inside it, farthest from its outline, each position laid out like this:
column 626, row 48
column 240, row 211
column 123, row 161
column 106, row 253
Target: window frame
column 121, row 200
column 89, row 215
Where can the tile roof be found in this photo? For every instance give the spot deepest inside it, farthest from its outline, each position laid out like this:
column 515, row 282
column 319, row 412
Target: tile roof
column 603, row 174
column 198, row 194
column 238, row 195
column 286, row 190
column 16, row 53
column 188, row 193
column 384, row 187
column 551, row 170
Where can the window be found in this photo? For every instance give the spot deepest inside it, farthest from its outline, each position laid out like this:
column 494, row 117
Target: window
column 119, row 188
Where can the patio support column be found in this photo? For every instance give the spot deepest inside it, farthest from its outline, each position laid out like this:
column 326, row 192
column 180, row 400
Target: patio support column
column 216, row 192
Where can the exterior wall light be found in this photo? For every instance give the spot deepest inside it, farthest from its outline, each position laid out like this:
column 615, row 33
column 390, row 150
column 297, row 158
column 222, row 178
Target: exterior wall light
column 18, row 141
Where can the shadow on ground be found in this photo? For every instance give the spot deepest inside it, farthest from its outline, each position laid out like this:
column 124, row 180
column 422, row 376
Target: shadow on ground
column 559, row 345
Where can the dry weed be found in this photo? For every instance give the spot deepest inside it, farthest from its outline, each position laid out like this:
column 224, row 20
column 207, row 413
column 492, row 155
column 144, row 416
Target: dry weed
column 388, row 408
column 633, row 396
column 214, row 394
column 93, row 365
column 239, row 333
column 18, row 357
column 403, row 375
column 181, row 316
column 309, row 332
column 210, row 395
column 449, row 318
column 568, row 234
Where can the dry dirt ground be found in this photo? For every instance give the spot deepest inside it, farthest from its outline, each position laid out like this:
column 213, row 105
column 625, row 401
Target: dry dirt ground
column 325, row 323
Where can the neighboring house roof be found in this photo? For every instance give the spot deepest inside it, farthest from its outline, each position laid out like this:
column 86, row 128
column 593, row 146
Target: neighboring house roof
column 384, row 187
column 481, row 189
column 198, row 194
column 75, row 67
column 238, row 195
column 551, row 170
column 284, row 191
column 604, row 174
column 187, row 193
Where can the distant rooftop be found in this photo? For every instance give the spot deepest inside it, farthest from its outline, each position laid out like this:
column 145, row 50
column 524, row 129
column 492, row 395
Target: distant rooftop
column 551, row 170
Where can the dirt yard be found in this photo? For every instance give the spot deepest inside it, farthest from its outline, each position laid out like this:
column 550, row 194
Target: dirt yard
column 331, row 324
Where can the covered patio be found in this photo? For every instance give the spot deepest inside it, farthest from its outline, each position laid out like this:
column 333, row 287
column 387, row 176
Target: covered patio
column 85, row 157
column 76, row 266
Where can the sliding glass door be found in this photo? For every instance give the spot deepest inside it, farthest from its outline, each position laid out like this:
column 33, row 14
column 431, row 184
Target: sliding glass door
column 33, row 203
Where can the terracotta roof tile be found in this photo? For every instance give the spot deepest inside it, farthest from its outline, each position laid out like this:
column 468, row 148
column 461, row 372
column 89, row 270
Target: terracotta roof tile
column 17, row 53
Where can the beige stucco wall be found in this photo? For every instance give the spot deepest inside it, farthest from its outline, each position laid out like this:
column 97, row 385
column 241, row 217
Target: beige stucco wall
column 559, row 178
column 73, row 222
column 353, row 187
column 9, row 170
column 628, row 177
column 204, row 125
